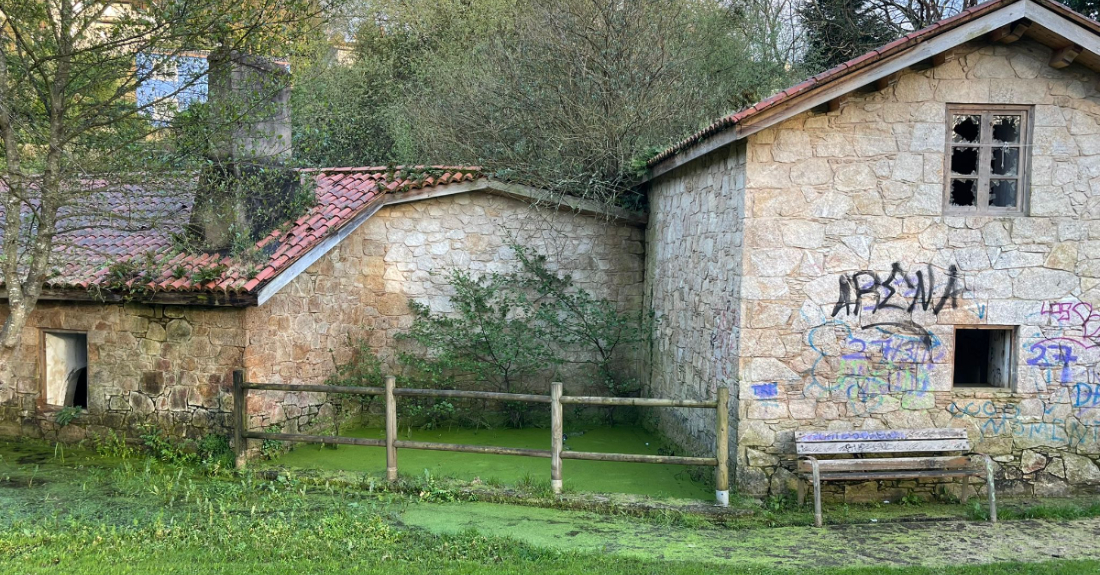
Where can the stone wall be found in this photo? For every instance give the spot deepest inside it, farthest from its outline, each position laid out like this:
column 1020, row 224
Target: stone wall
column 168, row 366
column 856, row 196
column 693, row 278
column 362, row 287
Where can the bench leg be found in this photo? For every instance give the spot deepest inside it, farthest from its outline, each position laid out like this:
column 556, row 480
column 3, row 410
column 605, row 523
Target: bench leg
column 992, row 492
column 817, row 504
column 965, row 490
column 801, row 491
column 817, row 496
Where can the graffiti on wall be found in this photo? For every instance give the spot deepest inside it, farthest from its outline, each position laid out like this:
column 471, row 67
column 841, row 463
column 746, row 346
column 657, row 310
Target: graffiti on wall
column 872, row 365
column 766, row 394
column 1006, row 419
column 1076, row 316
column 870, row 292
column 1066, row 350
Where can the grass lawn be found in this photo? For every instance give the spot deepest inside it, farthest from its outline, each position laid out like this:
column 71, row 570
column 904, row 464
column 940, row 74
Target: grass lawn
column 96, row 515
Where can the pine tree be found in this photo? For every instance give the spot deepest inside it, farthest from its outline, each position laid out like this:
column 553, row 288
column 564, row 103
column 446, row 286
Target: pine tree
column 838, row 30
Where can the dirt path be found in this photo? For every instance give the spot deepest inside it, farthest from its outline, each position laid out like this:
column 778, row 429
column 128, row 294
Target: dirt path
column 927, row 543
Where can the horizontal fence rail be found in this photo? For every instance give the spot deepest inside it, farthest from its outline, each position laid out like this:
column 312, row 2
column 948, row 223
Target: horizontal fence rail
column 637, row 401
column 556, row 453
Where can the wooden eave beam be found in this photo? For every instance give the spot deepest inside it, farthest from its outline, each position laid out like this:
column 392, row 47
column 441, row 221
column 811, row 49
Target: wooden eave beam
column 930, row 62
column 1011, row 32
column 204, row 299
column 885, row 81
column 1064, row 57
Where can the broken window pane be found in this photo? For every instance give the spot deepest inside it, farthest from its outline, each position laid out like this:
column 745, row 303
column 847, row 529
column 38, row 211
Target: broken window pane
column 1006, row 129
column 966, row 128
column 964, row 192
column 986, row 159
column 1006, row 161
column 964, row 161
column 1002, row 193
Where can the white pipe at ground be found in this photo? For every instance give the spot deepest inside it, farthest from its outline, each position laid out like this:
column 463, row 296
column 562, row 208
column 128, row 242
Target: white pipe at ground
column 555, row 485
column 723, row 498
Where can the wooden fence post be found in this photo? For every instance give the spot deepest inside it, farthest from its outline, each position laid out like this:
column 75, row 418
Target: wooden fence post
column 391, row 430
column 555, row 436
column 240, row 419
column 722, row 450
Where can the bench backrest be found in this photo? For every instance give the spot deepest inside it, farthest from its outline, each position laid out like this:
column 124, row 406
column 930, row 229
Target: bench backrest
column 881, row 441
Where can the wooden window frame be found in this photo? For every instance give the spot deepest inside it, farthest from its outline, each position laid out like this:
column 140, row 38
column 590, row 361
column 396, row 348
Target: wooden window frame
column 985, row 147
column 1013, row 373
column 42, row 333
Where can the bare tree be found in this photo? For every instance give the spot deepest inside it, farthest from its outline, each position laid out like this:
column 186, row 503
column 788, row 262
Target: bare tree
column 70, row 125
column 772, row 27
column 909, row 15
column 580, row 88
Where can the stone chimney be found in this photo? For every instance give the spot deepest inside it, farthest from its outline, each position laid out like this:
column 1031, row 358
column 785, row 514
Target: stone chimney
column 250, row 104
column 245, row 187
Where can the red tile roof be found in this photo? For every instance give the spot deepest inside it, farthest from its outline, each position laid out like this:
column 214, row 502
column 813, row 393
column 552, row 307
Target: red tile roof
column 856, row 64
column 139, row 222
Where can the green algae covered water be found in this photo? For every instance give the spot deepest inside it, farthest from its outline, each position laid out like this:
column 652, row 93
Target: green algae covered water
column 596, row 476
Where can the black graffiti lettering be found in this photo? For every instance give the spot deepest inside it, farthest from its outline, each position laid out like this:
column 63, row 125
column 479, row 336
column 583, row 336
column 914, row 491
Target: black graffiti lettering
column 952, row 291
column 870, row 288
column 922, row 290
column 888, row 285
column 844, row 300
column 921, row 294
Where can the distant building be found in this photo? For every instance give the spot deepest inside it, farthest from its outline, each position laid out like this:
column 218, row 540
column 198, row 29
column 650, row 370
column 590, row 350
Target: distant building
column 175, row 81
column 179, row 82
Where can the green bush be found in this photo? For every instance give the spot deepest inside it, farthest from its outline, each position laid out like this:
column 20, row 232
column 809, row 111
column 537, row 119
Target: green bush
column 508, row 329
column 492, row 340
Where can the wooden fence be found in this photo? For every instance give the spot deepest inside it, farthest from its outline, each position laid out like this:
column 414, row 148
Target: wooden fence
column 556, row 454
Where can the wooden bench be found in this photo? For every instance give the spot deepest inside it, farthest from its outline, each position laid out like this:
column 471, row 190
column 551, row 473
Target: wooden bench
column 858, row 444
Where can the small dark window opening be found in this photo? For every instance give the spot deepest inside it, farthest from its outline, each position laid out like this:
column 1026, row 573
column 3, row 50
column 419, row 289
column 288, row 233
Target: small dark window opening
column 65, row 369
column 983, row 357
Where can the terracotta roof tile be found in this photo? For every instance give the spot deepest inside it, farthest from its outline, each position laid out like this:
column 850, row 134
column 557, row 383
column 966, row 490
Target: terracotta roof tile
column 84, row 257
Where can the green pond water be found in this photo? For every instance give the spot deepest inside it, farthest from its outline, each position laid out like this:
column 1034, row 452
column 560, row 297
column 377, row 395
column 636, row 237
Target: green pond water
column 597, row 476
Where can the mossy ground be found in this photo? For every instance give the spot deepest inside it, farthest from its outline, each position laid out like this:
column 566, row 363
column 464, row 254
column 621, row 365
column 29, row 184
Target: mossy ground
column 87, row 514
column 675, row 481
column 940, row 543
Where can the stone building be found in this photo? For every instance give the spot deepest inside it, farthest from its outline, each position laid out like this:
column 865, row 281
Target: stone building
column 137, row 331
column 909, row 240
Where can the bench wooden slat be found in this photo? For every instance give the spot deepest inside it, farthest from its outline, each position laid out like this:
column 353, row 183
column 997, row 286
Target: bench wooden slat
column 920, row 445
column 879, row 435
column 886, row 463
column 812, row 470
column 915, row 474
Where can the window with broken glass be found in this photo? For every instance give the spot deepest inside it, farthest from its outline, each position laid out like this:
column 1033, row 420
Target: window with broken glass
column 987, row 156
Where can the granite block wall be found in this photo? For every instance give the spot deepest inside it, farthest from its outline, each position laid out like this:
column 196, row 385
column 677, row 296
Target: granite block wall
column 855, row 282
column 693, row 286
column 362, row 287
column 163, row 365
column 846, row 282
